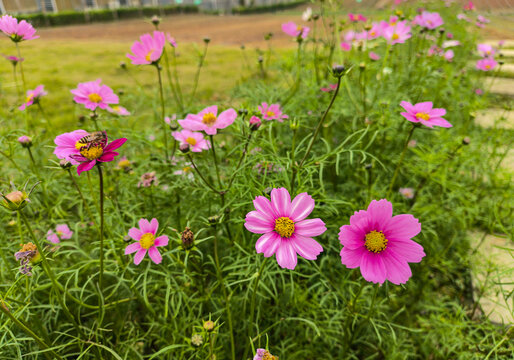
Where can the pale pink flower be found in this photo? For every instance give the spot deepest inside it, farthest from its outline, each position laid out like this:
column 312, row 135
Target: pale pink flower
column 286, row 231
column 412, row 143
column 33, row 96
column 208, row 120
column 17, row 31
column 272, row 112
column 486, row 64
column 146, row 241
column 429, row 20
column 149, row 49
column 450, row 43
column 380, row 244
column 397, row 34
column 171, row 40
column 483, row 20
column 186, row 171
column 469, row 6
column 374, row 56
column 463, row 17
column 485, row 50
column 62, row 232
column 424, row 113
column 118, row 110
column 448, row 55
column 407, row 193
column 291, row 29
column 194, row 140
column 168, row 119
column 330, row 88
column 92, row 95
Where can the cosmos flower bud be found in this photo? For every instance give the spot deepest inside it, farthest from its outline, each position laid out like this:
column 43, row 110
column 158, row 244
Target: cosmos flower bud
column 123, row 65
column 255, row 123
column 242, row 112
column 466, row 140
column 213, row 219
column 209, row 326
column 15, row 200
column 362, row 66
column 268, row 36
column 155, row 20
column 206, row 40
column 184, row 148
column 65, row 164
column 25, row 141
column 188, row 238
column 338, row 70
column 260, row 59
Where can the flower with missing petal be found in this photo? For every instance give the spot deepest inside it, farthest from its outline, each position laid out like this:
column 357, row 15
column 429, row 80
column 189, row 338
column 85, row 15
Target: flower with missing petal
column 62, row 232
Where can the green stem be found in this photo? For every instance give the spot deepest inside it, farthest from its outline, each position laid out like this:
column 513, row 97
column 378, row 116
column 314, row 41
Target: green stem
column 197, row 75
column 101, row 276
column 163, row 114
column 86, row 205
column 200, row 174
column 215, row 159
column 21, row 66
column 243, row 155
column 401, row 160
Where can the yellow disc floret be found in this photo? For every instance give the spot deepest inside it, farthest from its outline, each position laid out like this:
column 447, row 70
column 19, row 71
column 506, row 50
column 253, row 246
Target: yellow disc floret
column 423, row 116
column 270, row 114
column 94, row 97
column 91, row 152
column 395, row 36
column 376, row 241
column 209, row 119
column 147, row 240
column 284, row 226
column 191, row 141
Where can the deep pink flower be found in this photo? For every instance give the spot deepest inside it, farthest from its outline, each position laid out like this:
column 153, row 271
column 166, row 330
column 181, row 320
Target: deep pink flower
column 149, row 49
column 62, row 232
column 255, row 122
column 330, row 88
column 17, row 31
column 381, row 244
column 291, row 29
column 33, row 96
column 13, row 59
column 346, row 46
column 272, row 112
column 398, row 33
column 208, row 120
column 84, row 149
column 448, row 55
column 374, row 56
column 118, row 110
column 146, row 241
column 479, row 92
column 485, row 50
column 92, row 95
column 194, row 140
column 356, row 17
column 286, row 230
column 424, row 113
column 469, row 6
column 429, row 20
column 486, row 64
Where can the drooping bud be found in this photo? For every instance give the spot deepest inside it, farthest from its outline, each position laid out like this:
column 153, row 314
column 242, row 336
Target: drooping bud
column 25, row 141
column 466, row 140
column 188, row 238
column 255, row 123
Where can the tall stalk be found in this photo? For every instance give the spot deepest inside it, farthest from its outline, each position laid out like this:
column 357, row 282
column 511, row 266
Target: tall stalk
column 21, row 67
column 101, row 276
column 395, row 175
column 198, row 70
column 163, row 115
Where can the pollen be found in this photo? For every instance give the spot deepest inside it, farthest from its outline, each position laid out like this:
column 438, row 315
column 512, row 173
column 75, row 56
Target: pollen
column 488, row 66
column 423, row 116
column 395, row 36
column 376, row 241
column 92, row 152
column 28, row 247
column 29, row 98
column 148, row 56
column 270, row 114
column 94, row 97
column 191, row 141
column 209, row 119
column 284, row 226
column 147, row 240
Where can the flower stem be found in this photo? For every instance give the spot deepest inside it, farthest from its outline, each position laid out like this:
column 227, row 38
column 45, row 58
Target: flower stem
column 163, row 114
column 21, row 67
column 101, row 186
column 197, row 75
column 201, row 176
column 395, row 175
column 81, row 196
column 243, row 155
column 215, row 159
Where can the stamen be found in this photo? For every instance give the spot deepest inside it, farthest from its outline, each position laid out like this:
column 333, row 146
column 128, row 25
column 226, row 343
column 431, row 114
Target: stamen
column 94, row 97
column 147, row 240
column 423, row 116
column 270, row 114
column 209, row 119
column 148, row 56
column 284, row 226
column 91, row 152
column 191, row 141
column 395, row 36
column 376, row 241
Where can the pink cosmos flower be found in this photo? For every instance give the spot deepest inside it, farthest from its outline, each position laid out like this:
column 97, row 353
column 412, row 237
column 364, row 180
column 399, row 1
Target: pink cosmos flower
column 469, row 6
column 208, row 120
column 171, row 40
column 13, row 59
column 194, row 140
column 356, row 17
column 485, row 50
column 24, row 140
column 376, row 30
column 62, row 232
column 33, row 96
column 17, row 31
column 374, row 56
column 291, row 29
column 429, row 20
column 380, row 243
column 479, row 91
column 286, row 231
column 448, row 55
column 146, row 241
column 92, row 95
column 84, row 149
column 463, row 17
column 407, row 193
column 330, row 88
column 424, row 113
column 346, row 46
column 168, row 119
column 412, row 143
column 272, row 112
column 397, row 34
column 486, row 64
column 449, row 35
column 483, row 19
column 149, row 49
column 118, row 110
column 255, row 122
column 450, row 43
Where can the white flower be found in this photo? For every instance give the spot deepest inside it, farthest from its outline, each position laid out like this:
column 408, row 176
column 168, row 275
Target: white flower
column 307, row 14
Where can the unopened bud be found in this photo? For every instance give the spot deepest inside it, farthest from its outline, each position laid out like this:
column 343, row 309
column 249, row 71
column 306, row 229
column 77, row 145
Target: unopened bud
column 209, row 325
column 466, row 140
column 65, row 164
column 184, row 148
column 127, row 238
column 338, row 70
column 25, row 141
column 187, row 238
column 242, row 112
column 155, row 20
column 213, row 219
column 123, row 65
column 255, row 123
column 206, row 40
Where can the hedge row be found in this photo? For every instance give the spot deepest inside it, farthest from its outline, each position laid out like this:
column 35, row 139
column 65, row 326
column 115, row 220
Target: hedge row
column 243, row 10
column 82, row 17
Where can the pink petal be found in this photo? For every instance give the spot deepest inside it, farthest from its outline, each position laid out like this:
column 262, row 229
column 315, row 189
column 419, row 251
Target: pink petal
column 281, row 202
column 258, row 223
column 139, row 256
column 115, row 144
column 154, row 226
column 310, row 227
column 135, row 233
column 155, row 255
column 372, row 267
column 286, row 255
column 380, row 213
column 402, row 227
column 85, row 166
column 301, row 207
column 145, row 227
column 132, row 248
column 407, row 250
column 306, row 247
column 351, row 237
column 268, row 243
column 352, row 258
column 425, row 107
column 398, row 271
column 161, row 241
column 263, row 205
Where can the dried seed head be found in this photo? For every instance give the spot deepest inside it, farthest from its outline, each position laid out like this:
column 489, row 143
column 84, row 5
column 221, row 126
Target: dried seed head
column 197, row 340
column 187, row 238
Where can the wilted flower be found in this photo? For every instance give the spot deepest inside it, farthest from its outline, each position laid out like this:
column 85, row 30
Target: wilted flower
column 148, row 179
column 171, row 40
column 255, row 123
column 92, row 95
column 33, row 96
column 190, row 140
column 307, row 14
column 263, row 354
column 146, row 241
column 412, row 143
column 208, row 120
column 148, row 50
column 197, row 340
column 62, row 232
column 118, row 110
column 265, row 167
column 381, row 244
column 17, row 31
column 27, row 255
column 374, row 56
column 424, row 113
column 286, row 231
column 188, row 238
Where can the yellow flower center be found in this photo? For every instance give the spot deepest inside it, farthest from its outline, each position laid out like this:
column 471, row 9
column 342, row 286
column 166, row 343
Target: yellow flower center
column 209, row 119
column 29, row 98
column 92, row 152
column 191, row 141
column 375, row 241
column 284, row 226
column 267, row 356
column 270, row 114
column 395, row 36
column 147, row 240
column 299, row 28
column 392, row 23
column 373, row 33
column 423, row 116
column 59, row 233
column 94, row 97
column 186, row 169
column 488, row 52
column 488, row 66
column 149, row 55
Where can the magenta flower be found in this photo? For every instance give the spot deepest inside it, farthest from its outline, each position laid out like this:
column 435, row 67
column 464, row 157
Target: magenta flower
column 208, row 120
column 33, row 96
column 92, row 95
column 356, row 17
column 374, row 56
column 25, row 141
column 330, row 88
column 469, row 6
column 255, row 123
column 346, row 46
column 17, row 31
column 13, row 59
column 485, row 50
column 486, row 64
column 381, row 244
column 424, row 113
column 194, row 140
column 286, row 230
column 272, row 112
column 118, row 110
column 146, row 241
column 429, row 20
column 148, row 50
column 398, row 33
column 62, row 232
column 85, row 150
column 291, row 29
